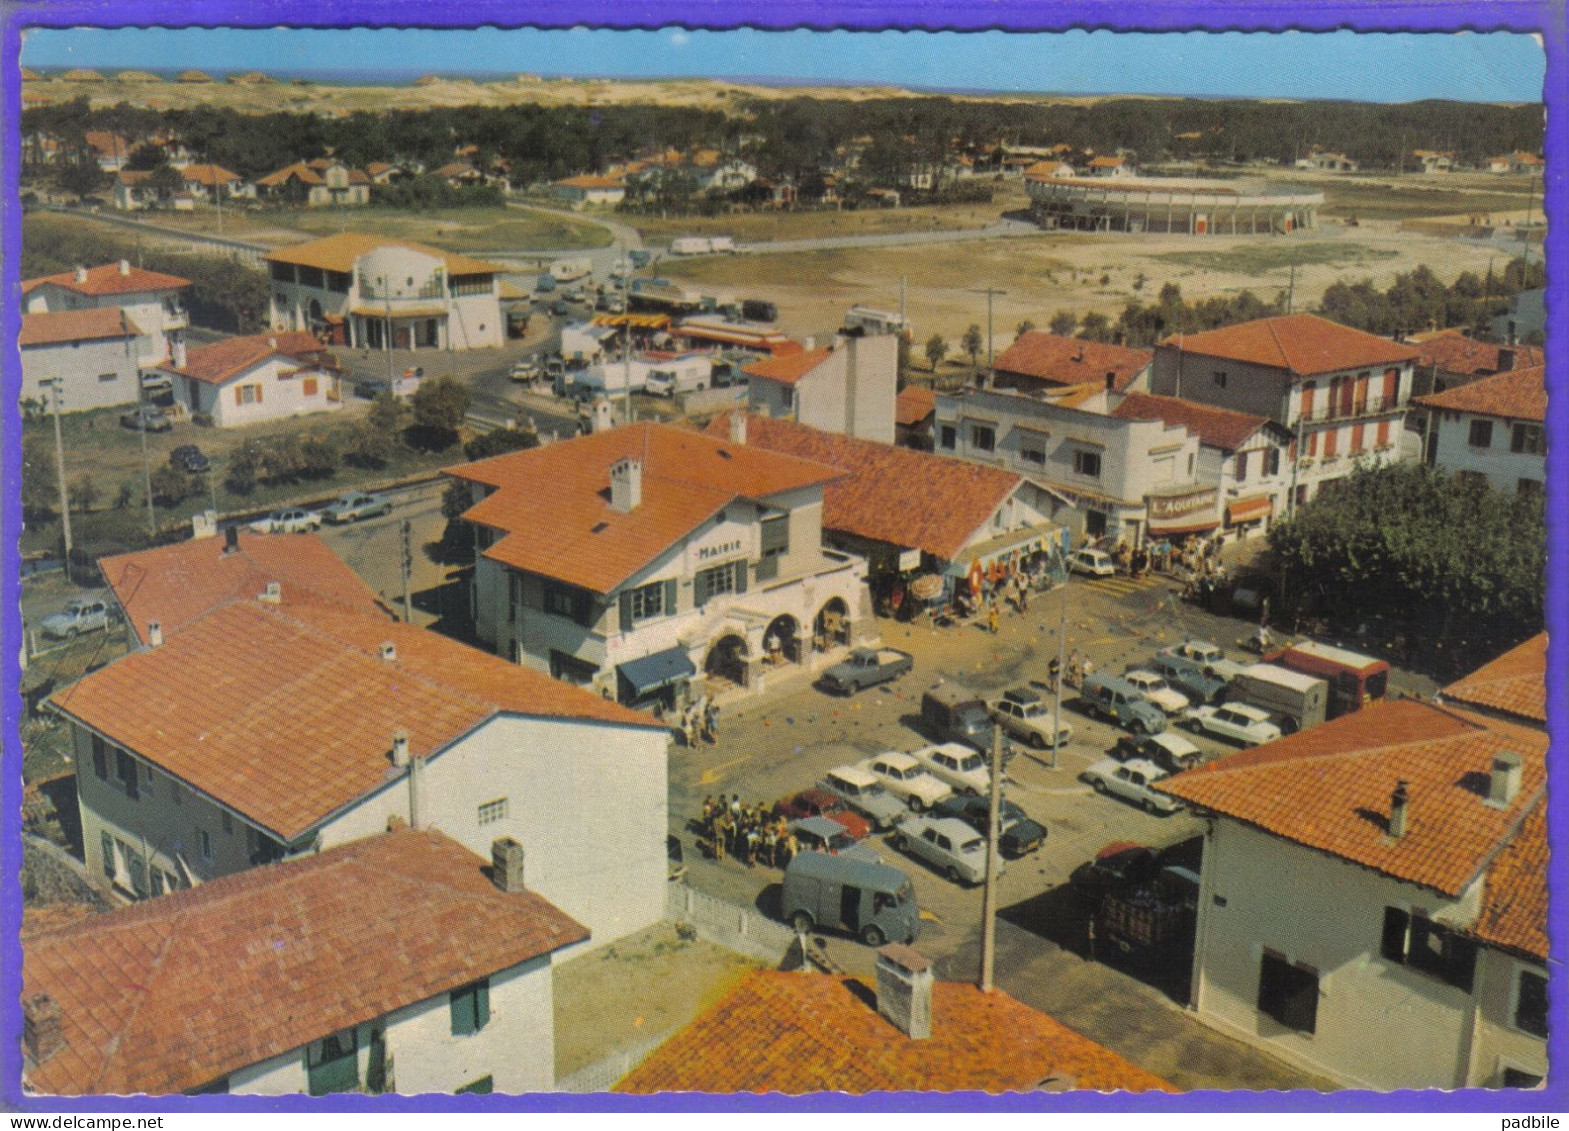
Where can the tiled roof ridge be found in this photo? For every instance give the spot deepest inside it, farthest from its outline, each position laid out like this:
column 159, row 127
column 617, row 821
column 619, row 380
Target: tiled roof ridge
column 1502, row 727
column 1490, row 857
column 1269, row 324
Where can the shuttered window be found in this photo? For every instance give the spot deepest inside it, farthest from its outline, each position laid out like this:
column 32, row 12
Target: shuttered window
column 1383, row 433
column 470, row 1008
column 1288, row 993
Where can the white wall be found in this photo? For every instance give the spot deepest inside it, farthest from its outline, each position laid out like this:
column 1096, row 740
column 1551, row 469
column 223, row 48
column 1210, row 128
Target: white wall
column 148, row 311
column 84, row 366
column 1498, row 1044
column 280, row 396
column 1380, row 1024
column 1504, row 469
column 853, row 391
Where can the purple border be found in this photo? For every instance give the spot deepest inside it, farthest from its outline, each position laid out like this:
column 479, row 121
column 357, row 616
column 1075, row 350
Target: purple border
column 1547, row 18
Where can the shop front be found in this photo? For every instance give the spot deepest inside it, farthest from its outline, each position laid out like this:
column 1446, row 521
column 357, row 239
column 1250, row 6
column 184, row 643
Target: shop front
column 1249, row 516
column 656, row 682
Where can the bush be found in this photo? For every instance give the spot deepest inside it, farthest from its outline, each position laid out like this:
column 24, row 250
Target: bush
column 171, row 485
column 318, row 458
column 368, row 446
column 499, row 442
column 83, row 492
column 439, row 407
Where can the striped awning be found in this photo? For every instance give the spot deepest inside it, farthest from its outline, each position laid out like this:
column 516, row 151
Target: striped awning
column 1255, row 506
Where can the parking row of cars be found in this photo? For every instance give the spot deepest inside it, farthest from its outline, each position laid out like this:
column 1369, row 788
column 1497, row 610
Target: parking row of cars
column 351, row 507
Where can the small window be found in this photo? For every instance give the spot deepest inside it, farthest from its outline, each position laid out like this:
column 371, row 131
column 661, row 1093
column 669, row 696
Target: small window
column 1036, row 456
column 1242, row 466
column 1529, row 488
column 492, row 811
column 206, row 843
column 1087, row 463
column 1412, row 939
column 1220, row 378
column 1288, row 993
column 983, row 437
column 125, row 771
column 1481, row 434
column 947, row 436
column 107, row 378
column 1526, row 439
column 228, row 823
column 100, row 758
column 470, row 1008
column 107, row 845
column 1531, row 1004
column 332, row 1064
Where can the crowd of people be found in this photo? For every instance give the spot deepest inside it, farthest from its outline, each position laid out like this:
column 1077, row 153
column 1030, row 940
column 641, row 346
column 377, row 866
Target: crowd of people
column 752, row 834
column 698, row 722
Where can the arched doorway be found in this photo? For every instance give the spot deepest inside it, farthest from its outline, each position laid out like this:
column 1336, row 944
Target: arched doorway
column 782, row 641
column 315, row 313
column 727, row 660
column 831, row 627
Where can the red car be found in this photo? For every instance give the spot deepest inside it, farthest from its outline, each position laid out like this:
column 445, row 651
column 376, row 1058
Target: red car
column 821, row 803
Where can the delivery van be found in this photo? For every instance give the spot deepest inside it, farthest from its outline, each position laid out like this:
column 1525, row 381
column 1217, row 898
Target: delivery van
column 873, row 902
column 952, row 712
column 1294, row 700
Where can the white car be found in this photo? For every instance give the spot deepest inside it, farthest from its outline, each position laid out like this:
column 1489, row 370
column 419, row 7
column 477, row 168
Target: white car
column 947, row 844
column 1096, row 563
column 958, row 765
column 1022, row 714
column 290, row 520
column 1209, row 655
column 525, row 371
column 1131, row 780
column 1240, row 722
column 1157, row 690
column 903, row 777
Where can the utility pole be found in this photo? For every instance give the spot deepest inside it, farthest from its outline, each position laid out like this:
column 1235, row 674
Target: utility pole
column 1291, row 288
column 904, row 287
column 1062, row 670
column 147, row 472
column 59, row 463
column 989, row 912
column 989, row 292
column 408, row 569
column 626, row 335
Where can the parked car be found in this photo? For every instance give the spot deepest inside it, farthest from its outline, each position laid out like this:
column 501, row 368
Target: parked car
column 1020, row 835
column 1116, row 867
column 1155, row 688
column 355, row 506
column 84, row 614
column 903, row 777
column 1131, row 781
column 1238, row 722
column 823, row 834
column 1022, row 713
column 1208, row 655
column 956, row 764
column 865, row 668
column 290, row 520
column 868, row 900
column 821, row 803
column 1189, row 677
column 948, row 845
column 863, row 793
column 148, row 417
column 1169, row 750
column 525, row 371
column 189, row 458
column 1120, row 702
column 1095, row 563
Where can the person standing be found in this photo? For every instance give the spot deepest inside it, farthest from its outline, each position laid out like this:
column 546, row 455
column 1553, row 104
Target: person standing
column 991, row 617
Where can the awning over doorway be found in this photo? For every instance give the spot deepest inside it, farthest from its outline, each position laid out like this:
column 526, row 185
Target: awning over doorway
column 650, row 673
column 1160, row 530
column 1241, row 510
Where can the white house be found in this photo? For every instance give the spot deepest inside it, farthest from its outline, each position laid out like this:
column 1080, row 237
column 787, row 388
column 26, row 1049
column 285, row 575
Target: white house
column 317, row 184
column 1373, row 898
column 1492, row 430
column 366, row 292
column 1525, row 320
column 590, row 191
column 257, row 377
column 631, row 559
column 153, row 302
column 393, row 964
column 849, row 387
column 92, row 353
column 1342, row 393
column 290, row 727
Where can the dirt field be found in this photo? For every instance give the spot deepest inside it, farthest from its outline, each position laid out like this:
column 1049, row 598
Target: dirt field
column 1065, row 271
column 1386, row 196
column 454, row 229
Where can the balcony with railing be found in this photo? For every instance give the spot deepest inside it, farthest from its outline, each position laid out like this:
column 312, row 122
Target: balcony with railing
column 432, row 288
column 175, row 316
column 1350, row 410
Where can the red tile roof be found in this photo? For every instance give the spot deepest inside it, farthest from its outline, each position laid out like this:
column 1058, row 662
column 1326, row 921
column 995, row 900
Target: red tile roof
column 167, row 995
column 789, row 369
column 1518, row 394
column 553, row 503
column 58, row 327
column 1329, row 788
column 590, row 182
column 342, row 251
column 1071, row 361
column 311, row 679
column 219, row 362
column 299, row 171
column 209, row 175
column 890, row 494
column 106, row 143
column 108, row 279
column 1453, row 352
column 1215, row 427
column 1515, row 683
column 799, row 1032
column 914, row 404
column 175, row 584
column 1514, row 901
column 1301, row 344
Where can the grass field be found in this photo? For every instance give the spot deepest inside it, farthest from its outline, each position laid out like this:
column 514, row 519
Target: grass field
column 1251, row 258
column 454, row 229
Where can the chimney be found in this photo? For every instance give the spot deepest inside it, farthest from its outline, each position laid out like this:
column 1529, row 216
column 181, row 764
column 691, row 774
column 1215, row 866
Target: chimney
column 808, row 344
column 738, row 427
column 1399, row 810
column 231, row 539
column 506, row 864
column 272, row 343
column 43, row 1033
column 400, row 748
column 155, row 639
column 389, row 651
column 626, row 485
column 177, row 353
column 904, row 990
column 125, row 266
column 1506, row 360
column 81, row 275
column 416, row 776
column 1111, row 380
column 273, row 594
column 604, row 416
column 1504, row 784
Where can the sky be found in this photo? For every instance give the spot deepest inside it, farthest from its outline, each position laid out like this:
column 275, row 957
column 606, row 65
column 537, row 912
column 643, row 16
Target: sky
column 1377, row 67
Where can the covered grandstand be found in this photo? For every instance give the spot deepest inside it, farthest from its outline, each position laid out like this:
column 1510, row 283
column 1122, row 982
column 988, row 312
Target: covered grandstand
column 1191, row 206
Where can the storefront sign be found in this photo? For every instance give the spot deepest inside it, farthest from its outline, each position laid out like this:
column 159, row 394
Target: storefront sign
column 908, row 560
column 723, row 549
column 1168, row 507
